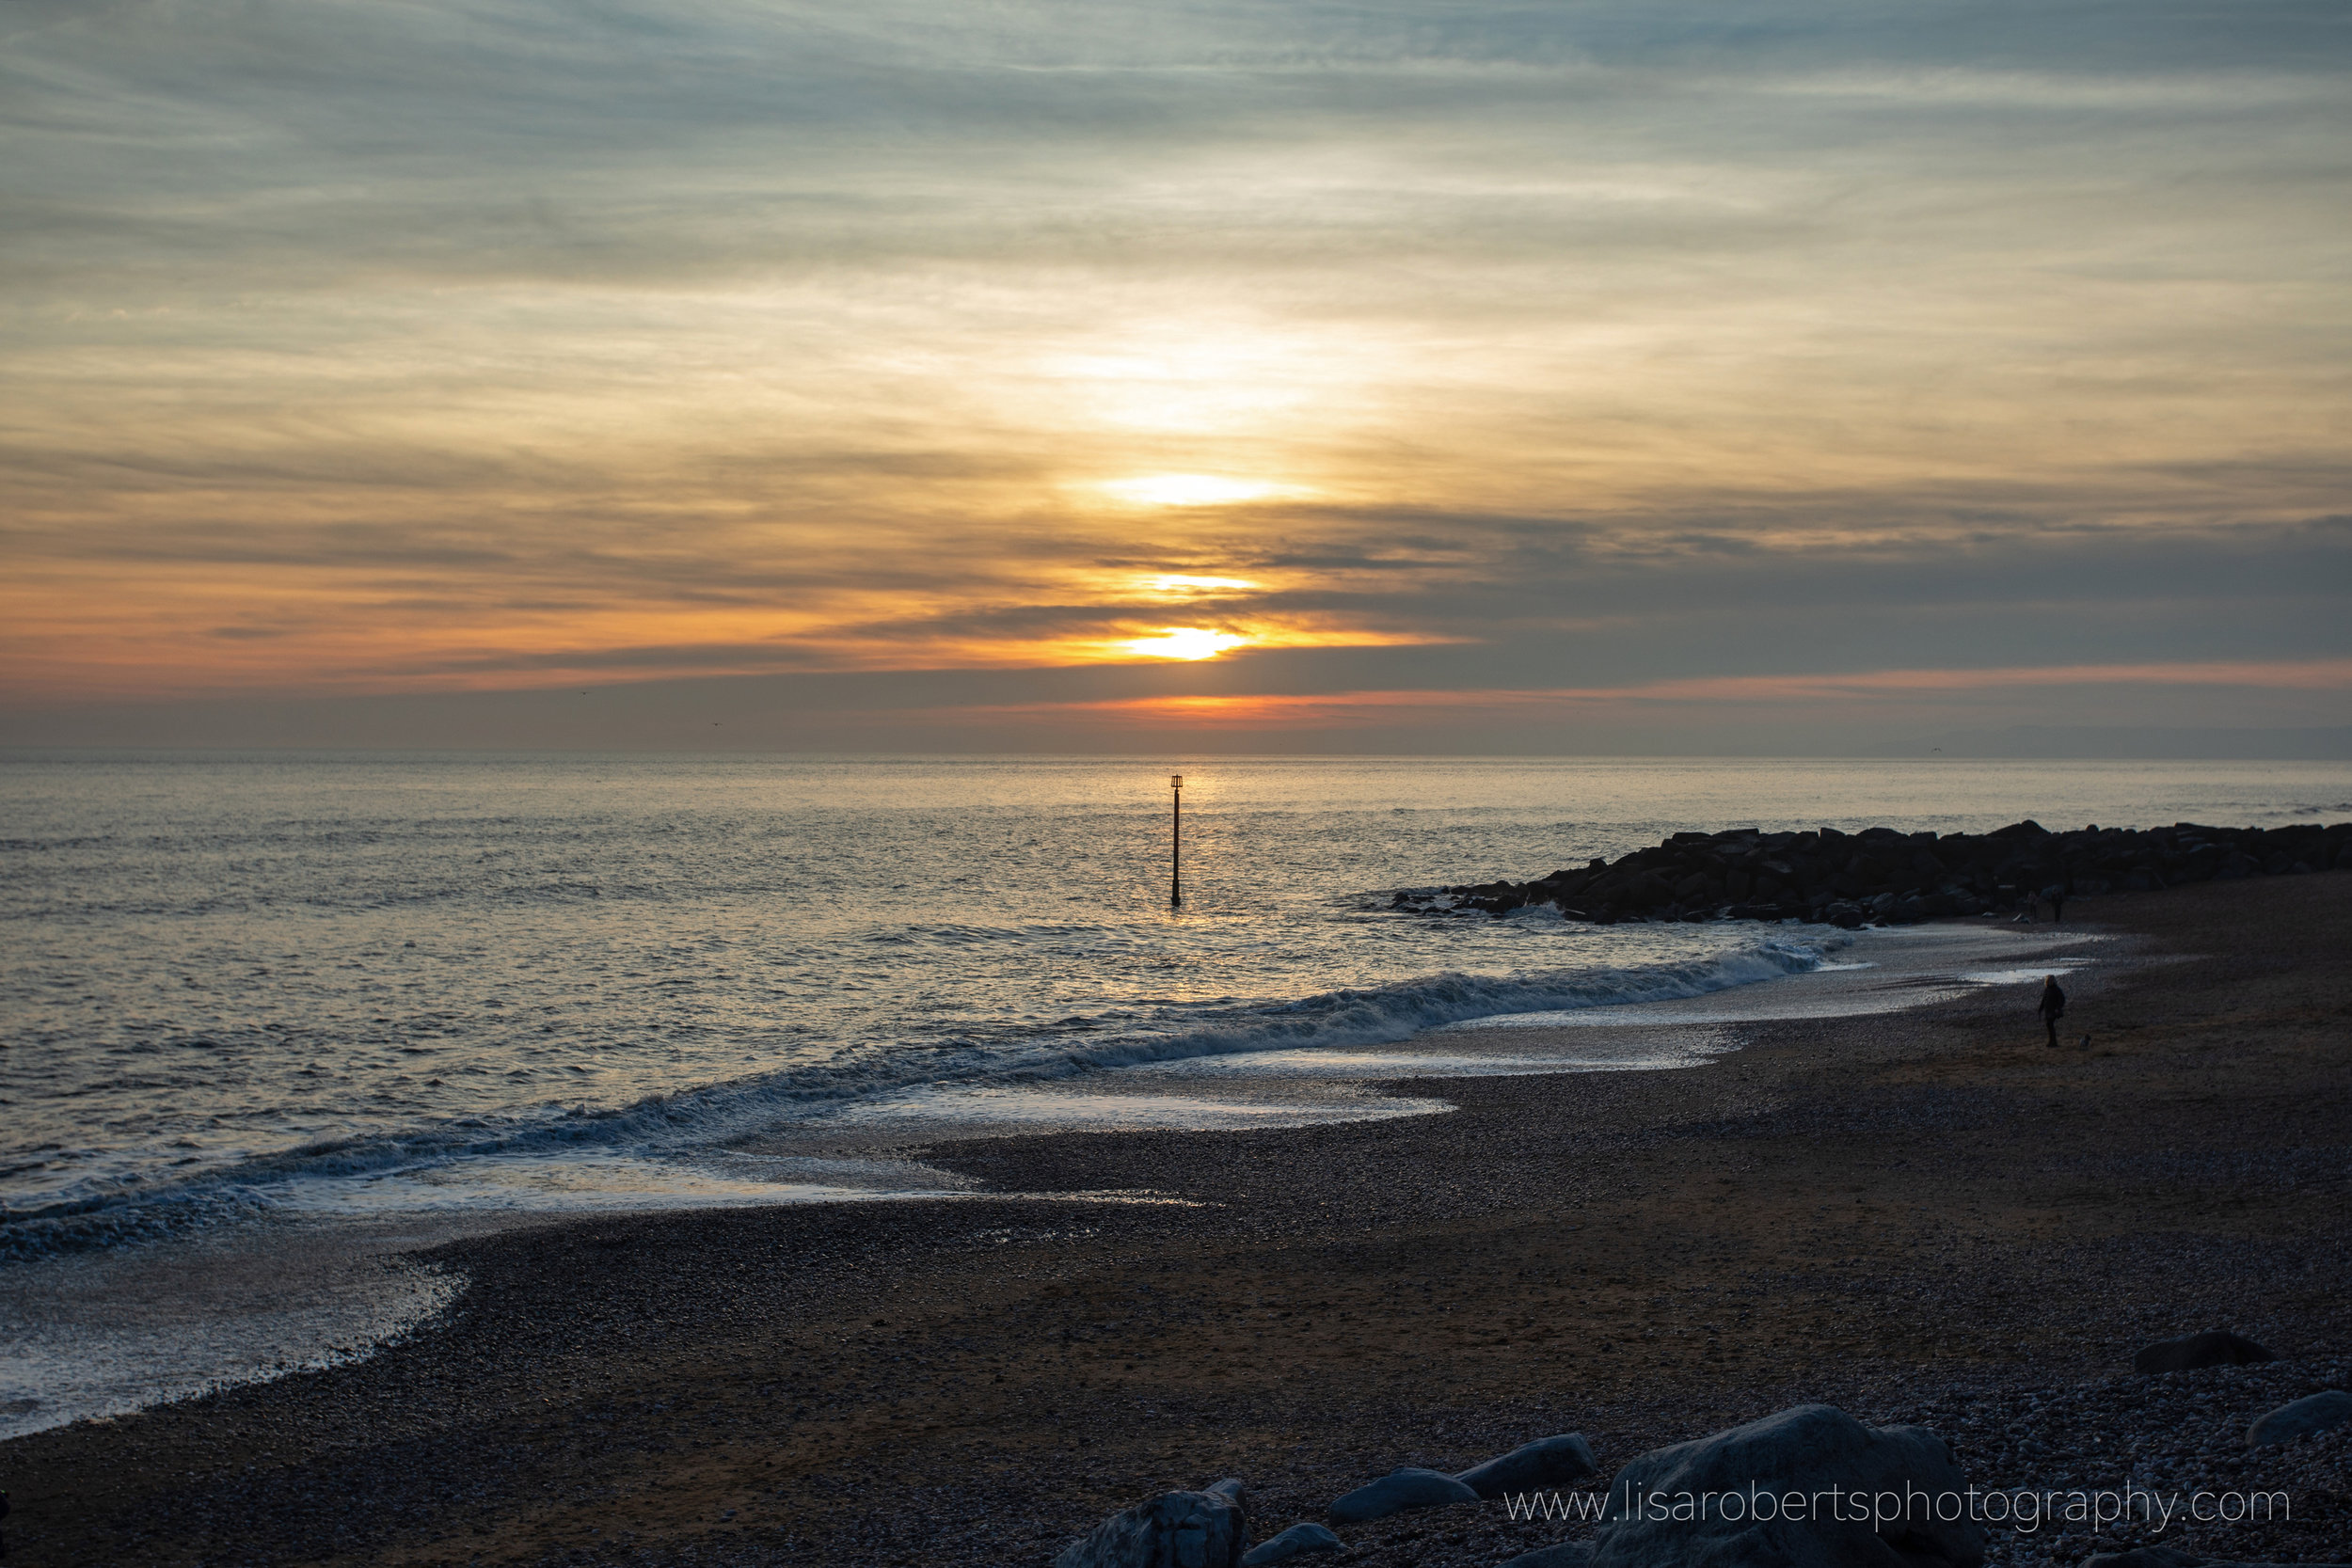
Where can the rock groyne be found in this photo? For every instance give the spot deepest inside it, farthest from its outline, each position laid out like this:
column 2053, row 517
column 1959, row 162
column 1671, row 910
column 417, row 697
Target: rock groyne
column 1884, row 875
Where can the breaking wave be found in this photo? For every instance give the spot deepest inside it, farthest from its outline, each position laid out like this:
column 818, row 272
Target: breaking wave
column 711, row 1113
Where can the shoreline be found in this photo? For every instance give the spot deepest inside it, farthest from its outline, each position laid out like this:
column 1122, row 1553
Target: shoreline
column 670, row 1148
column 1203, row 1090
column 1643, row 1256
column 303, row 1283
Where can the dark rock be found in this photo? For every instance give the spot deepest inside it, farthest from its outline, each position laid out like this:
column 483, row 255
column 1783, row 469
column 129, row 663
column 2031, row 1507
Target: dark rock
column 1297, row 1540
column 1397, row 1492
column 1795, row 1454
column 1179, row 1530
column 1234, row 1488
column 1560, row 1461
column 2318, row 1413
column 2214, row 1349
column 1649, row 891
column 1896, row 876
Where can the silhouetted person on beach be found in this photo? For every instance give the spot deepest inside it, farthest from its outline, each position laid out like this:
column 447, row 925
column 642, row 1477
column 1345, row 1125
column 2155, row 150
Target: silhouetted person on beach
column 2055, row 893
column 2053, row 1005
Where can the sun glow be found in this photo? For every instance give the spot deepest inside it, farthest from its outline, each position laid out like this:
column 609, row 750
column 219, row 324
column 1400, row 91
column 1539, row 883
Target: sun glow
column 1189, row 490
column 1177, row 585
column 1185, row 642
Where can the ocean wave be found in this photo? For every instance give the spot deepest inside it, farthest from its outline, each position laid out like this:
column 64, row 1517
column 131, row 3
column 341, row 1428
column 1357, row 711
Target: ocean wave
column 708, row 1113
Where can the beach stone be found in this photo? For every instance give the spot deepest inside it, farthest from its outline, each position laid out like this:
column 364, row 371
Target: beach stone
column 1234, row 1488
column 1297, row 1540
column 1567, row 1554
column 1397, row 1491
column 2318, row 1413
column 1179, row 1529
column 1804, row 1450
column 1560, row 1461
column 2214, row 1349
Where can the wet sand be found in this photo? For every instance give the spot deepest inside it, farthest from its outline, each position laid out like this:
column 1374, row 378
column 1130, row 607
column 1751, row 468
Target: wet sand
column 1921, row 1214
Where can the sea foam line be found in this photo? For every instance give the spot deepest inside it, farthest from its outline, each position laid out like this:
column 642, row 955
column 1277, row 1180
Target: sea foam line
column 710, row 1113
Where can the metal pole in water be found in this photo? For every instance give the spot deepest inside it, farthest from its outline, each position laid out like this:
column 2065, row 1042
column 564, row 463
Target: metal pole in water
column 1176, row 842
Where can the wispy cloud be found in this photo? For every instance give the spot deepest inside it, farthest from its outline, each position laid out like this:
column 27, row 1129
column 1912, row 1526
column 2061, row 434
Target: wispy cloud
column 460, row 342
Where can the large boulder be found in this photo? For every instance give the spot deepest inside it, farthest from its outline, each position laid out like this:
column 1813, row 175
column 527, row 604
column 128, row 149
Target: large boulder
column 1809, row 1487
column 2214, row 1349
column 1297, row 1540
column 1560, row 1461
column 1398, row 1491
column 1179, row 1529
column 2318, row 1413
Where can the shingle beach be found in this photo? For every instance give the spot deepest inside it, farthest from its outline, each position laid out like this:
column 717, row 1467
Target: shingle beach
column 1920, row 1216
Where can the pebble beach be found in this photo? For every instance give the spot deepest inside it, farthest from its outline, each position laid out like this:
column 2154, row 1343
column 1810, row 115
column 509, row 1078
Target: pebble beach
column 1919, row 1216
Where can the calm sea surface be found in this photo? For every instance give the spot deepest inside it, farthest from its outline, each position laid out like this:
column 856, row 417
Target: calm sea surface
column 235, row 981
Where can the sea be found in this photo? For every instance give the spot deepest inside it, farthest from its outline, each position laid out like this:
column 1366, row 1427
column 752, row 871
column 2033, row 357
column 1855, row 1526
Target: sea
column 316, row 1006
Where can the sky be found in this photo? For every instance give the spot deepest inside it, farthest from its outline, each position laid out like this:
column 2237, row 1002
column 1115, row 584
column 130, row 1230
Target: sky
column 1408, row 375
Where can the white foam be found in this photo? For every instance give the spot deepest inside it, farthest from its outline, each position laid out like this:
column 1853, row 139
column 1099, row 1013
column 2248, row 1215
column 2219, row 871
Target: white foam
column 1061, row 1105
column 558, row 1160
column 97, row 1334
column 2024, row 976
column 570, row 1182
column 1885, row 971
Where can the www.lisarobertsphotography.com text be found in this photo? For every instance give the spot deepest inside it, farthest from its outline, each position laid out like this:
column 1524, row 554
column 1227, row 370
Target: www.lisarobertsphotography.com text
column 2025, row 1509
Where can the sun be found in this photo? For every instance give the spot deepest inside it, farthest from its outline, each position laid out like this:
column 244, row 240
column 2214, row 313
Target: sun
column 1185, row 642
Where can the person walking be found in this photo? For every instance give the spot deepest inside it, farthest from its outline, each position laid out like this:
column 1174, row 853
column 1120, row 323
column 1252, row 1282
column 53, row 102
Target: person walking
column 2055, row 893
column 2053, row 1005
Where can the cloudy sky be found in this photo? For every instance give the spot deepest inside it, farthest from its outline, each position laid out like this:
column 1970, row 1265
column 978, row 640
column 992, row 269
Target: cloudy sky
column 1406, row 375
